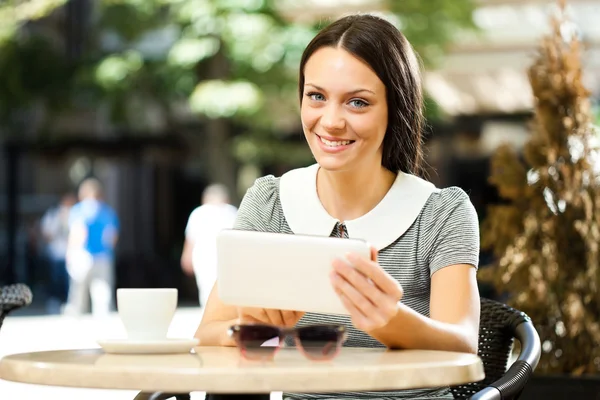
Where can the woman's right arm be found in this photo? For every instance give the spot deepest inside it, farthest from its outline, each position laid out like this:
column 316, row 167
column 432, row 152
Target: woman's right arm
column 217, row 319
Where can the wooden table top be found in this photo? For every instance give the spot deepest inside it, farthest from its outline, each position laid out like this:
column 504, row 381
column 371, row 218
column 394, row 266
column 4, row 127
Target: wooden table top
column 222, row 370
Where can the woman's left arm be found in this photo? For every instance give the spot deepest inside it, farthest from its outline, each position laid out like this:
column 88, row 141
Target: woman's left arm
column 454, row 316
column 372, row 296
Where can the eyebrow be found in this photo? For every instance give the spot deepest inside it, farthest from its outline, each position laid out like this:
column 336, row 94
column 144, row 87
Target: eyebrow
column 351, row 92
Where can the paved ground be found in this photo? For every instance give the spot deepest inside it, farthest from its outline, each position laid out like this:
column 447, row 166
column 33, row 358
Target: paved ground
column 38, row 333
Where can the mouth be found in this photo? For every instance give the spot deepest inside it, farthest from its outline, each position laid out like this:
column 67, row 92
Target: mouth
column 335, row 143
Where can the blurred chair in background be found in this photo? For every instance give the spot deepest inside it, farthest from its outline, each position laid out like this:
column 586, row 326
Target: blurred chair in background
column 13, row 297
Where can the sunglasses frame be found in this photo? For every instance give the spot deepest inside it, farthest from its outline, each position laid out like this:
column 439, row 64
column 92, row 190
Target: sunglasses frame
column 235, row 330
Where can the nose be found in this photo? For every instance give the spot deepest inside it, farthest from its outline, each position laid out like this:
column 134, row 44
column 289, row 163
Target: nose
column 333, row 118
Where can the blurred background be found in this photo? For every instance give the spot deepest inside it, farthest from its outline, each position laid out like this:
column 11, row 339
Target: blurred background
column 160, row 98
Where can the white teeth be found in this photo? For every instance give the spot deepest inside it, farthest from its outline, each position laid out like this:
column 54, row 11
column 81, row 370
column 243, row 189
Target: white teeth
column 335, row 144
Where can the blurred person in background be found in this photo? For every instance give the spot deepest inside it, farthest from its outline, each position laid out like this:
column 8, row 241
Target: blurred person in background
column 93, row 234
column 199, row 255
column 54, row 227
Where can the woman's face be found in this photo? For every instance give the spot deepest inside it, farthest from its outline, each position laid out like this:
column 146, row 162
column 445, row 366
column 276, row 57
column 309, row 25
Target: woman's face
column 344, row 111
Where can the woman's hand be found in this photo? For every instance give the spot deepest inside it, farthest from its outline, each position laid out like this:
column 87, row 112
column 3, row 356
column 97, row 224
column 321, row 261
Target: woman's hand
column 281, row 318
column 368, row 292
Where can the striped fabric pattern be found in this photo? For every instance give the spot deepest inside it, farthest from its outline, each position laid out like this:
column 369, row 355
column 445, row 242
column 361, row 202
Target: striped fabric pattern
column 445, row 233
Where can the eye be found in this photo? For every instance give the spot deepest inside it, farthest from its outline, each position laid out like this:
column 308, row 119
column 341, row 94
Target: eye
column 357, row 103
column 315, row 96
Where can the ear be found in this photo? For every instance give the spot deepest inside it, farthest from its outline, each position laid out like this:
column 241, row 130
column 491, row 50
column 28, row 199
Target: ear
column 373, row 254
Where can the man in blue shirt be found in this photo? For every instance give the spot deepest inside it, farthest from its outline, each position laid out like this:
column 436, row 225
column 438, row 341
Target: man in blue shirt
column 93, row 234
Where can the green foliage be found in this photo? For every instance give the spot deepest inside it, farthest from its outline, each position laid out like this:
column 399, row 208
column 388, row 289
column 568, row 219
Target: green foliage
column 234, row 59
column 22, row 81
column 431, row 25
column 261, row 149
column 15, row 12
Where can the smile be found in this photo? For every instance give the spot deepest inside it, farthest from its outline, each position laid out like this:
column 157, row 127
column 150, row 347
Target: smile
column 336, row 143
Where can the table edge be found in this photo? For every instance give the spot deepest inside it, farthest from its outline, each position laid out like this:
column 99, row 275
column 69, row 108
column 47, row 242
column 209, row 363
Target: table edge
column 247, row 379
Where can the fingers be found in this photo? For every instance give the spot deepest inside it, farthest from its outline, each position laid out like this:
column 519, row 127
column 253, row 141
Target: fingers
column 291, row 317
column 373, row 254
column 373, row 271
column 359, row 320
column 359, row 301
column 367, row 291
column 365, row 314
column 252, row 315
column 248, row 319
column 269, row 316
column 275, row 317
column 350, row 280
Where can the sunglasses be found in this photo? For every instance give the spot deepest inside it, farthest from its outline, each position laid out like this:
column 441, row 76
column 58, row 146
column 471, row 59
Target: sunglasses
column 316, row 342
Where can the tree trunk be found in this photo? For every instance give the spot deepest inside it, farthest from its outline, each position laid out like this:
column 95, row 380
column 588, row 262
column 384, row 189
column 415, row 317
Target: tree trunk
column 220, row 162
column 219, row 157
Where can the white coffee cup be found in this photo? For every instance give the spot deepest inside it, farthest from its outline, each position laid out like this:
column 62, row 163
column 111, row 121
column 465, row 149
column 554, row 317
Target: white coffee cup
column 146, row 313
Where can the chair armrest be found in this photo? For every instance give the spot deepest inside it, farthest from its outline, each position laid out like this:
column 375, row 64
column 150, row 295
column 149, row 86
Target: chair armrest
column 14, row 296
column 488, row 393
column 514, row 380
column 531, row 346
column 162, row 396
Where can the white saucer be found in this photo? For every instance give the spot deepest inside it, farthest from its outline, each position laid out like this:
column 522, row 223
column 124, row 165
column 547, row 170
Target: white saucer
column 165, row 346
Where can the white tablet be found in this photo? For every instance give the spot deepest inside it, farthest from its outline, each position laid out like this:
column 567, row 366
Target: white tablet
column 281, row 271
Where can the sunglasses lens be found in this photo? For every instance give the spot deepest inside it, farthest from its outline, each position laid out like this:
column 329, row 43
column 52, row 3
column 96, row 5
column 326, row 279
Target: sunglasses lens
column 250, row 339
column 320, row 342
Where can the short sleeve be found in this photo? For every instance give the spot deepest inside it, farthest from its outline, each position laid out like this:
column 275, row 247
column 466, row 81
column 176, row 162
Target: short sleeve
column 192, row 224
column 258, row 207
column 231, row 216
column 457, row 239
column 74, row 215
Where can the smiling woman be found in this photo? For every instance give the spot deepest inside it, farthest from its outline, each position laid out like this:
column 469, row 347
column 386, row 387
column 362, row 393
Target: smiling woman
column 361, row 111
column 344, row 110
column 350, row 63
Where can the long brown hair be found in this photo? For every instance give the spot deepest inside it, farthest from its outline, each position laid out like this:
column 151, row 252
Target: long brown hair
column 389, row 54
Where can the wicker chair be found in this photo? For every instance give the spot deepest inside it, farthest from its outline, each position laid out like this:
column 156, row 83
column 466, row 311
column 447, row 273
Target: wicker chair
column 13, row 297
column 161, row 396
column 499, row 325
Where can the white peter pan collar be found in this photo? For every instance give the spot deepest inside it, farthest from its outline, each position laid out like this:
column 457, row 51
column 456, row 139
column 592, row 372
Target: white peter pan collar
column 381, row 226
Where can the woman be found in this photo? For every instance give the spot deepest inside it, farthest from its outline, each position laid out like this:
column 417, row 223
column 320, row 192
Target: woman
column 361, row 111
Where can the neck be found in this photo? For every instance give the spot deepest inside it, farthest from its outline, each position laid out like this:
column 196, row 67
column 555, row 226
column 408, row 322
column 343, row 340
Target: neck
column 348, row 195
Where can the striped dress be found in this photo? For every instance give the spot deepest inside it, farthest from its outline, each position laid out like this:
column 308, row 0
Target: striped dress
column 445, row 232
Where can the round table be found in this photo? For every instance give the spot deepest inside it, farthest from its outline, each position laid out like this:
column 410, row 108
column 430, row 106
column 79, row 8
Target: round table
column 222, row 370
